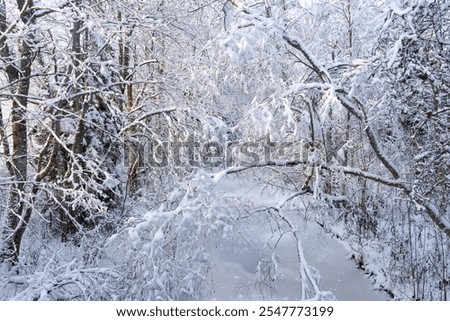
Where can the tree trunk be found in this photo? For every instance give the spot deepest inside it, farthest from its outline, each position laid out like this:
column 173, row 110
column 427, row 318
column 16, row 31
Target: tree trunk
column 127, row 90
column 79, row 108
column 18, row 214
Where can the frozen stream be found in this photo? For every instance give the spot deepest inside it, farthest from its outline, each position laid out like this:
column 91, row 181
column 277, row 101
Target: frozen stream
column 234, row 274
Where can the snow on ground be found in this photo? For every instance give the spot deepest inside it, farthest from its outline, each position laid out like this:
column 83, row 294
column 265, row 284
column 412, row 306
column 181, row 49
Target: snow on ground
column 236, row 263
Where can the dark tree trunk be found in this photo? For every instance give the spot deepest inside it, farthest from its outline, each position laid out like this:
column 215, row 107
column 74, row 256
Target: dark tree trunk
column 18, row 214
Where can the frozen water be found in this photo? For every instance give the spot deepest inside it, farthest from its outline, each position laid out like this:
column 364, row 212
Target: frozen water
column 236, row 261
column 234, row 276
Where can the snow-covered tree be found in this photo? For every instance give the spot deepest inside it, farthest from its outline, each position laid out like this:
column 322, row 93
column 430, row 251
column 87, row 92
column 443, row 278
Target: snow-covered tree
column 123, row 122
column 415, row 121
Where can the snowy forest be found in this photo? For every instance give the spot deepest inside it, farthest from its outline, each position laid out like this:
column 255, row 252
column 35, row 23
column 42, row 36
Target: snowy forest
column 139, row 138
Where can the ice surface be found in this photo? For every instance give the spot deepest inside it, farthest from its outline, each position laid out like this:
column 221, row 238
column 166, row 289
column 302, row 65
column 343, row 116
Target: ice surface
column 236, row 264
column 234, row 275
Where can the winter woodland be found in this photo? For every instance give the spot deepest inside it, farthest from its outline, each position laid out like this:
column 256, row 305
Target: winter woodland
column 140, row 136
